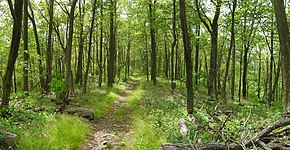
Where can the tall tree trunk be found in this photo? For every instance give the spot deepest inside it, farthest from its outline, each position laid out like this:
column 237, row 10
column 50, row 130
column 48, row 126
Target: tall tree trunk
column 147, row 58
column 283, row 30
column 187, row 56
column 16, row 12
column 111, row 65
column 245, row 69
column 173, row 76
column 259, row 75
column 271, row 48
column 233, row 74
column 49, row 47
column 90, row 46
column 197, row 46
column 276, row 80
column 153, row 41
column 79, row 74
column 232, row 48
column 38, row 50
column 128, row 59
column 25, row 47
column 69, row 75
column 166, row 68
column 101, row 48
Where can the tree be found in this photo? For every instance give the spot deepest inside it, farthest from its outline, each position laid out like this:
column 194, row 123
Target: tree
column 173, row 82
column 49, row 47
column 212, row 27
column 16, row 12
column 79, row 74
column 187, row 56
column 25, row 46
column 112, row 48
column 231, row 49
column 153, row 40
column 90, row 46
column 283, row 30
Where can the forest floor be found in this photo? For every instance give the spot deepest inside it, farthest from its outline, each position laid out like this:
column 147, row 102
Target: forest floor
column 110, row 131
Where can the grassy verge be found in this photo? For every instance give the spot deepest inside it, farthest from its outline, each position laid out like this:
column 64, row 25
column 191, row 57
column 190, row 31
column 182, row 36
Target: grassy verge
column 60, row 132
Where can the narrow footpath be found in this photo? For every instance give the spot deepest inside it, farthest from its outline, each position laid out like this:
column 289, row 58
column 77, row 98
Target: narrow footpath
column 110, row 131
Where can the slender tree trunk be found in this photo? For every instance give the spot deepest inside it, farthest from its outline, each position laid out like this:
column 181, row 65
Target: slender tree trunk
column 259, row 75
column 16, row 12
column 187, row 56
column 49, row 47
column 153, row 41
column 270, row 96
column 79, row 74
column 101, row 48
column 166, row 70
column 128, row 58
column 232, row 48
column 38, row 50
column 69, row 75
column 111, row 58
column 147, row 58
column 90, row 46
column 25, row 47
column 173, row 77
column 283, row 30
column 276, row 80
column 197, row 45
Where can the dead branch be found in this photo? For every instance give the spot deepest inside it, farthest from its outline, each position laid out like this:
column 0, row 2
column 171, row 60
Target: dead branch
column 255, row 140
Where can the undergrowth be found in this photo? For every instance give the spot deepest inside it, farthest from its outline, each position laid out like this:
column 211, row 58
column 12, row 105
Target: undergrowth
column 157, row 110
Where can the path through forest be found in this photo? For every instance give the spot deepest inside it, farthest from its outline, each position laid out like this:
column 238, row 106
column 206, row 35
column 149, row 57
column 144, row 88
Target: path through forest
column 109, row 131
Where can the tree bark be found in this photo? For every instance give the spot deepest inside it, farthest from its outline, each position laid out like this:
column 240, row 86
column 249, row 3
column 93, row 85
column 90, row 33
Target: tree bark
column 173, row 82
column 16, row 12
column 153, row 41
column 111, row 65
column 25, row 47
column 283, row 30
column 90, row 46
column 101, row 48
column 49, row 47
column 69, row 75
column 197, row 46
column 231, row 49
column 79, row 74
column 187, row 56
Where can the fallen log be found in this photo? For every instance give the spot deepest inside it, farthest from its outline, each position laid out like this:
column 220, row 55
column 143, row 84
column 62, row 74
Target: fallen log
column 255, row 140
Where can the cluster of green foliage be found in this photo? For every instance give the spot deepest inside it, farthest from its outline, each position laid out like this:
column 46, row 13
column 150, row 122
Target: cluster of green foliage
column 58, row 86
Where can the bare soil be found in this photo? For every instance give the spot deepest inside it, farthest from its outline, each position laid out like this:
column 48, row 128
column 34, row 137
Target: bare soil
column 109, row 131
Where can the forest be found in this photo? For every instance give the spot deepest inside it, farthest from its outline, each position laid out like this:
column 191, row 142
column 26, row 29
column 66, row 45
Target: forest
column 144, row 74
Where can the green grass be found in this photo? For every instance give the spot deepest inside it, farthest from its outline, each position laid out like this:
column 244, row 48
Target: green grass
column 100, row 100
column 143, row 135
column 61, row 132
column 119, row 115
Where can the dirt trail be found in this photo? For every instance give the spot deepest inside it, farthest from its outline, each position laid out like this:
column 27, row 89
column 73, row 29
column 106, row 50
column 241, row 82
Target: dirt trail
column 109, row 131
